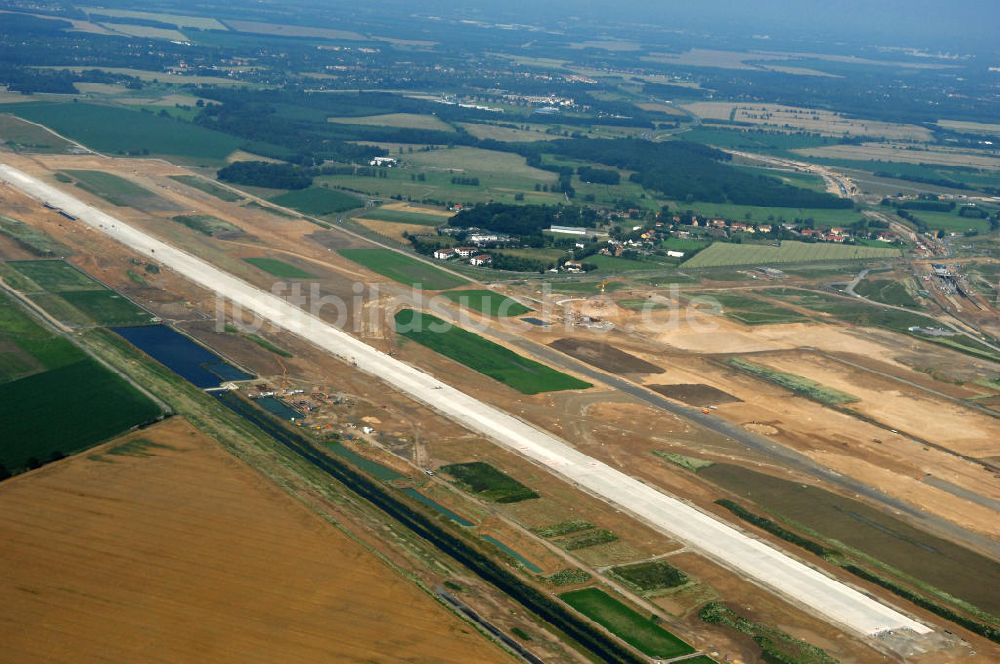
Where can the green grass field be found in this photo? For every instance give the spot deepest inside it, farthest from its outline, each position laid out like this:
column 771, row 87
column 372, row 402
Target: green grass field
column 115, row 130
column 209, row 188
column 588, row 539
column 563, row 528
column 54, row 275
column 405, row 120
column 26, row 347
column 487, row 482
column 53, row 397
column 116, row 190
column 751, row 311
column 501, row 176
column 206, row 224
column 74, row 298
column 404, row 269
column 951, row 222
column 106, row 307
column 886, row 291
column 278, row 268
column 650, row 576
column 487, row 302
column 32, row 239
column 682, row 244
column 318, row 201
column 493, row 360
column 64, row 410
column 797, row 384
column 724, row 254
column 627, row 624
column 404, row 217
column 611, row 264
column 22, row 136
column 822, row 216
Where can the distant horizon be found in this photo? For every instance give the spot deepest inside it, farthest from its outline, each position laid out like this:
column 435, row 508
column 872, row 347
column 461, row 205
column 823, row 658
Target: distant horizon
column 962, row 25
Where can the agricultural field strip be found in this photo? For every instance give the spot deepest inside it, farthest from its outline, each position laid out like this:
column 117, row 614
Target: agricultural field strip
column 759, row 561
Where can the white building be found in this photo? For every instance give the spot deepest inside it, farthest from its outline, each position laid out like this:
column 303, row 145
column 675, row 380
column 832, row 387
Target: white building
column 481, row 259
column 388, row 162
column 444, row 254
column 675, row 254
column 568, row 230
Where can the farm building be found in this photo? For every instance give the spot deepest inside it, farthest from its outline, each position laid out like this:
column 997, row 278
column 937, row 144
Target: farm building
column 445, row 254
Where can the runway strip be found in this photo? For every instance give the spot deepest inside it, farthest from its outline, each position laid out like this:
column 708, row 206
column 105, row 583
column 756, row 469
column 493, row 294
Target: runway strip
column 754, row 559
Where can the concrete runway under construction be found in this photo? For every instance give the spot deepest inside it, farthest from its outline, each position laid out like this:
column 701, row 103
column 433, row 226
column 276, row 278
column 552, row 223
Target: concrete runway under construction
column 799, row 583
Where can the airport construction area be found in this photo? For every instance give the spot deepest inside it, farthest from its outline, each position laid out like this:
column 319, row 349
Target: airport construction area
column 653, row 436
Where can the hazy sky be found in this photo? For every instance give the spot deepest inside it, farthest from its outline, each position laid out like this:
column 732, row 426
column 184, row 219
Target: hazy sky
column 884, row 21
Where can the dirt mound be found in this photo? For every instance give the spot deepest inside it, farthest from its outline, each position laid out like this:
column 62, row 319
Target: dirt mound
column 695, row 394
column 604, row 356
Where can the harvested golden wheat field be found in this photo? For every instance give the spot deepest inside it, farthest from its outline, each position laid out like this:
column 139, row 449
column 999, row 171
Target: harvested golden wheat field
column 176, row 551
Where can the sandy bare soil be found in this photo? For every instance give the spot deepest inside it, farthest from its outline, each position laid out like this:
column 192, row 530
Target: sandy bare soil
column 904, row 153
column 776, row 117
column 898, row 405
column 176, row 551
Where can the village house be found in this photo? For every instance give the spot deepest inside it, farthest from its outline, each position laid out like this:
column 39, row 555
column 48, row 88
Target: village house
column 481, row 259
column 445, row 254
column 465, row 252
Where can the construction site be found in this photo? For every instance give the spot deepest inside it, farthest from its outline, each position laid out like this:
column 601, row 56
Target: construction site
column 674, row 406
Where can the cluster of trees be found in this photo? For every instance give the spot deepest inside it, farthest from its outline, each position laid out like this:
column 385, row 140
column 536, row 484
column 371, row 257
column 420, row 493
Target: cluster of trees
column 265, row 174
column 502, row 261
column 598, row 175
column 521, row 220
column 279, row 123
column 466, row 181
column 279, row 133
column 972, row 212
column 691, row 171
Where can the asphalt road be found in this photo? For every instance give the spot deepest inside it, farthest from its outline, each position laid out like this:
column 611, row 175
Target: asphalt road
column 756, row 560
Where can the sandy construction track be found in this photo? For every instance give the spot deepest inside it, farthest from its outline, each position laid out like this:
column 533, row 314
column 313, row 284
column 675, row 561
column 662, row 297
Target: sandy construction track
column 753, row 558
